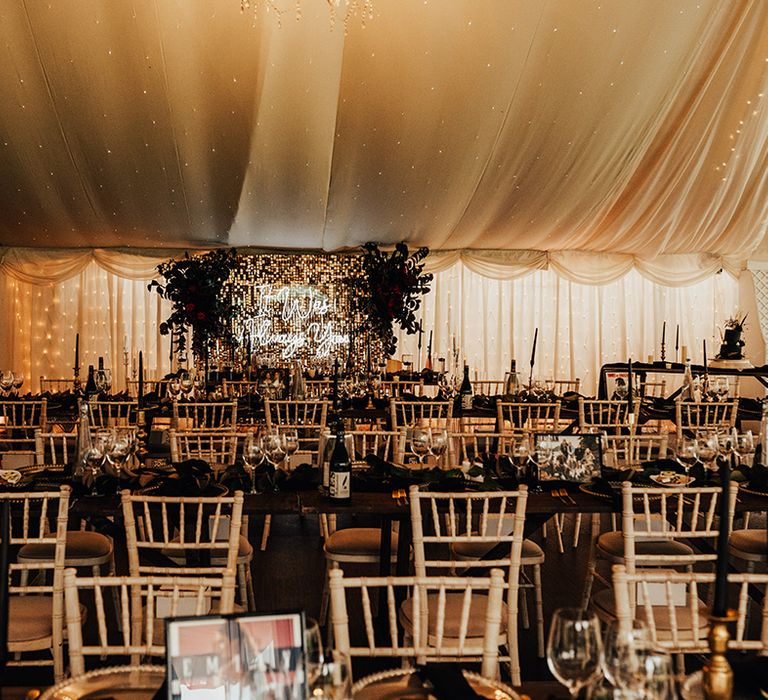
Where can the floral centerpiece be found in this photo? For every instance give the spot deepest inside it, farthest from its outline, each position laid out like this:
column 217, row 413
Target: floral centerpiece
column 390, row 290
column 731, row 347
column 194, row 286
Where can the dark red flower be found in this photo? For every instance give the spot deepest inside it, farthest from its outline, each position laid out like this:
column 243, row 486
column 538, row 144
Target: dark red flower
column 201, row 316
column 189, row 307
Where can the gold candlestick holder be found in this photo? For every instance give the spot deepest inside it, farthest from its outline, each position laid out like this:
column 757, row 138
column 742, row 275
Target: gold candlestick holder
column 717, row 678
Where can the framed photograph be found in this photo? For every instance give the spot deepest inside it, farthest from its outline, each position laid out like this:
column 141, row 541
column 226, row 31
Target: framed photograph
column 236, row 656
column 272, row 382
column 568, row 457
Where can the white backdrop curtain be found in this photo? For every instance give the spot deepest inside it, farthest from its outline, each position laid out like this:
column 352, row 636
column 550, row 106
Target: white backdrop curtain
column 581, row 326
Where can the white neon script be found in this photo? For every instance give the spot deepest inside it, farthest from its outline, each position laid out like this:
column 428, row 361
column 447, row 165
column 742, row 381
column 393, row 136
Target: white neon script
column 304, row 313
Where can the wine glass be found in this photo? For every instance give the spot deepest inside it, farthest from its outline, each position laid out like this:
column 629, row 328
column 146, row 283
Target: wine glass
column 119, row 450
column 707, row 448
column 685, row 451
column 100, row 377
column 186, row 383
column 272, row 445
column 657, row 676
column 722, row 388
column 253, row 456
column 313, row 650
column 290, row 442
column 18, row 381
column 574, row 649
column 333, row 680
column 521, row 455
column 174, row 388
column 745, row 445
column 439, row 443
column 625, row 649
column 6, row 381
column 421, row 439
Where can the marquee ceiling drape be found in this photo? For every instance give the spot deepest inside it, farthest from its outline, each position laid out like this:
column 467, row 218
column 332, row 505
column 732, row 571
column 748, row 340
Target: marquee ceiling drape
column 551, row 127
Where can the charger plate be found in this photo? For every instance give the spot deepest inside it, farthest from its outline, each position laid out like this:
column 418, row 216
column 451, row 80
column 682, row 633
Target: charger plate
column 118, row 682
column 752, row 491
column 394, row 685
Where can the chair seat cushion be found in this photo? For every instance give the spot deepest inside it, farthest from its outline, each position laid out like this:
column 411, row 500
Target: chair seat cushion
column 605, row 606
column 611, row 545
column 218, row 556
column 532, row 553
column 357, row 541
column 31, row 618
column 750, row 541
column 454, row 601
column 80, row 545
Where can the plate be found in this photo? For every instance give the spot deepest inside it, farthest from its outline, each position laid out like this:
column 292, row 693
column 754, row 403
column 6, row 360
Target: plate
column 397, row 685
column 123, row 683
column 9, row 477
column 672, row 481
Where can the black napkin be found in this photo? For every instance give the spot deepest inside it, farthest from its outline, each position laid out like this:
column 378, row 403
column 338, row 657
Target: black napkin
column 448, row 681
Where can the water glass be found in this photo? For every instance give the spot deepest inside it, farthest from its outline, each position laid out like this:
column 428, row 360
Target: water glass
column 333, row 680
column 575, row 649
column 625, row 648
column 421, row 441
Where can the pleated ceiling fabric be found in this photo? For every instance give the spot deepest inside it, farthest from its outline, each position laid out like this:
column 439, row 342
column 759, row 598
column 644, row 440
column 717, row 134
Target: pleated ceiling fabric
column 552, row 127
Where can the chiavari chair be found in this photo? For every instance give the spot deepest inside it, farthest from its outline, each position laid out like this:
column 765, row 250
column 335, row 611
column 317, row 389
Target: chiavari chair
column 563, row 386
column 488, row 387
column 447, row 619
column 185, row 531
column 693, row 416
column 213, row 446
column 18, row 422
column 605, row 415
column 318, row 388
column 660, row 527
column 204, row 415
column 111, row 414
column 397, row 388
column 56, row 385
column 143, row 604
column 630, row 451
column 55, row 448
column 36, row 610
column 471, row 525
column 151, row 386
column 234, row 388
column 407, row 414
column 672, row 607
column 525, row 418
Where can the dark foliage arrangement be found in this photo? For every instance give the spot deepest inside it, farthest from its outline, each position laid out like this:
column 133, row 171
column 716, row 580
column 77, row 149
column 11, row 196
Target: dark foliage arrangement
column 194, row 285
column 390, row 291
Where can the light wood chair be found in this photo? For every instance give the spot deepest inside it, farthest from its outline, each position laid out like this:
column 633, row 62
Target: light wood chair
column 212, row 446
column 56, row 385
column 234, row 388
column 407, row 414
column 184, row 531
column 598, row 415
column 660, row 527
column 395, row 389
column 693, row 416
column 55, row 448
column 468, row 446
column 204, row 415
column 112, row 414
column 488, row 387
column 446, row 619
column 525, row 418
column 307, row 417
column 565, row 385
column 36, row 611
column 654, row 389
column 150, row 386
column 630, row 451
column 462, row 522
column 18, row 422
column 671, row 605
column 319, row 388
column 144, row 603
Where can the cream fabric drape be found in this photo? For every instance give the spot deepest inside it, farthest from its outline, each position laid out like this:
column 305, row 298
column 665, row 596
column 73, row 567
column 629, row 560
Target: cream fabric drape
column 581, row 327
column 622, row 127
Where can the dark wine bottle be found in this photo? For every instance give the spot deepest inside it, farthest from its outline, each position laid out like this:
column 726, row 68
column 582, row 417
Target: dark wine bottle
column 465, row 391
column 101, row 364
column 340, row 469
column 90, row 386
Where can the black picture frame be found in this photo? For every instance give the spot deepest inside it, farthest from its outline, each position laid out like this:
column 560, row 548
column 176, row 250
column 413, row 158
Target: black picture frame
column 575, row 458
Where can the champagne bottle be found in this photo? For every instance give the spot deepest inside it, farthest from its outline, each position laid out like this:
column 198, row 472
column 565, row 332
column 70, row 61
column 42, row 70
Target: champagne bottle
column 465, row 391
column 340, row 469
column 512, row 385
column 90, row 386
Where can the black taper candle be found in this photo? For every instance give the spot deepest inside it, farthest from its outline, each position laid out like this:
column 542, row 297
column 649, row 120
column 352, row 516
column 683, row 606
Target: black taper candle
column 630, row 398
column 720, row 605
column 141, row 380
column 533, row 352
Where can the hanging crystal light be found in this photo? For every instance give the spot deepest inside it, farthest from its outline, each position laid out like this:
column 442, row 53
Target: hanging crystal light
column 349, row 8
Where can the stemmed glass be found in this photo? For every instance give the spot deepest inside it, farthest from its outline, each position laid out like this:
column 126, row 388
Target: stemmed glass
column 253, row 456
column 575, row 649
column 18, row 381
column 290, row 442
column 333, row 680
column 272, row 444
column 745, row 445
column 102, row 380
column 521, row 455
column 421, row 441
column 313, row 650
column 95, row 455
column 6, row 381
column 439, row 443
column 707, row 448
column 625, row 651
column 119, row 450
column 686, row 452
column 186, row 383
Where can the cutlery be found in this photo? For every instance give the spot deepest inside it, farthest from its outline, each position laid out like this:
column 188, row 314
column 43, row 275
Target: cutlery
column 566, row 497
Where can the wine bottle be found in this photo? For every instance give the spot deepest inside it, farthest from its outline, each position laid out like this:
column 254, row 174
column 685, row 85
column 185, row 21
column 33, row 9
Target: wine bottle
column 340, row 470
column 512, row 385
column 686, row 393
column 465, row 391
column 90, row 386
column 83, row 440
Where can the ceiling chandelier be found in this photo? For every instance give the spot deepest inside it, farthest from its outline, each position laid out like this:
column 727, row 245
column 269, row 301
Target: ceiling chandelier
column 348, row 8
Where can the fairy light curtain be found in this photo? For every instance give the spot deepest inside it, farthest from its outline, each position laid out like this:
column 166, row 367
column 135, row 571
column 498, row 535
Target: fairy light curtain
column 580, row 326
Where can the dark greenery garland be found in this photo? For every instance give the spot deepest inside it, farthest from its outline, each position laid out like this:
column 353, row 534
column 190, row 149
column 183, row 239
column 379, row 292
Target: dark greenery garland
column 194, row 286
column 390, row 291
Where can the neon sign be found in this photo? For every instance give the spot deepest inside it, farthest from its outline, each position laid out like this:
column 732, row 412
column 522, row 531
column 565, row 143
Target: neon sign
column 294, row 318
